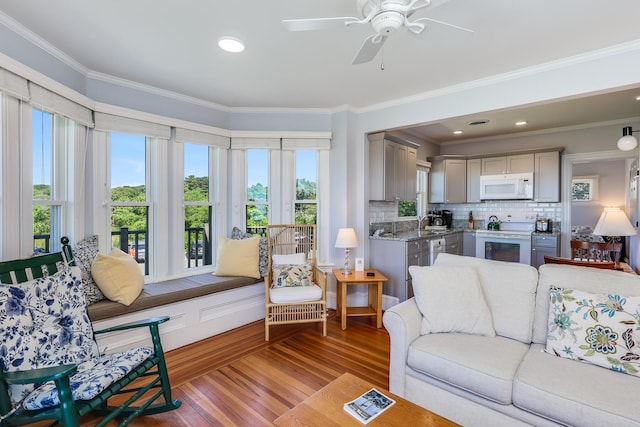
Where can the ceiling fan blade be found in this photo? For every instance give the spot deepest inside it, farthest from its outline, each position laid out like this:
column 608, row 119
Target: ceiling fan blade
column 318, row 23
column 369, row 49
column 443, row 23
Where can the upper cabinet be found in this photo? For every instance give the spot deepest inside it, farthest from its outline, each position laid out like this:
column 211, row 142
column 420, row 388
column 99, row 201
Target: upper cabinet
column 392, row 169
column 518, row 163
column 474, row 170
column 546, row 186
column 448, row 181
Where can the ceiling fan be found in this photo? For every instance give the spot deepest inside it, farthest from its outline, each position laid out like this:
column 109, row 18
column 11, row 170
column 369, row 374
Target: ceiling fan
column 385, row 16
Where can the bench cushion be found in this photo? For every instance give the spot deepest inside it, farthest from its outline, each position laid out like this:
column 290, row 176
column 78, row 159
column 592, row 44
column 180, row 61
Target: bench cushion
column 168, row 292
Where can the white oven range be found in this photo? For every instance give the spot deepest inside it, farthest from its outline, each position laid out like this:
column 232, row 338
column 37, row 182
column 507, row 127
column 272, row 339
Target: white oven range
column 511, row 243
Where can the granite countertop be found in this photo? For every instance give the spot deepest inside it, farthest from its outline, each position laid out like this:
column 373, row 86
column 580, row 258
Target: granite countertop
column 415, row 234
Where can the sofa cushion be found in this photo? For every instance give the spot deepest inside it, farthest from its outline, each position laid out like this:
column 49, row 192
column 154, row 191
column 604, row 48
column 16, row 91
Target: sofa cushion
column 509, row 289
column 451, row 300
column 595, row 328
column 581, row 278
column 575, row 393
column 481, row 365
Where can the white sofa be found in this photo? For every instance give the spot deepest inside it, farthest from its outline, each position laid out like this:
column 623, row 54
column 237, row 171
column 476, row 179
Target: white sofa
column 508, row 379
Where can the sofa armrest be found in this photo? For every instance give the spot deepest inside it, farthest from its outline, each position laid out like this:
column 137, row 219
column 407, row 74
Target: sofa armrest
column 402, row 321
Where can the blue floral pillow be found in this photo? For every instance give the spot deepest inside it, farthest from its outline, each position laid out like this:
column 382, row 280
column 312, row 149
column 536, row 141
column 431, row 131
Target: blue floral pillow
column 602, row 329
column 43, row 323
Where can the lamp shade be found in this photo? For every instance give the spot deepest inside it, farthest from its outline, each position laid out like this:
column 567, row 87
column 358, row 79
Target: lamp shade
column 627, row 142
column 346, row 238
column 614, row 222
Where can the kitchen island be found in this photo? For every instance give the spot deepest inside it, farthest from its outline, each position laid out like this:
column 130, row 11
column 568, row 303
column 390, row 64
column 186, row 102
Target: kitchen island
column 394, row 253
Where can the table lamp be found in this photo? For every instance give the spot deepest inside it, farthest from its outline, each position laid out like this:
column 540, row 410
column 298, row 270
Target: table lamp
column 613, row 224
column 346, row 239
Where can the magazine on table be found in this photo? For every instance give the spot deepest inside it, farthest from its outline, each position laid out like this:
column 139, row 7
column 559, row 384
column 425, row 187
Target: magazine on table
column 368, row 406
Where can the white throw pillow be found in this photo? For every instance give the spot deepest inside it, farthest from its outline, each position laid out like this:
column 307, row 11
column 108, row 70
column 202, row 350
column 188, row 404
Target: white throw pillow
column 451, row 300
column 300, row 258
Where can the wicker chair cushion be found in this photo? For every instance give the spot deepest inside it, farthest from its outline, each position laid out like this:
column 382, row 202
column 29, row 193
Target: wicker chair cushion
column 91, row 378
column 294, row 294
column 44, row 323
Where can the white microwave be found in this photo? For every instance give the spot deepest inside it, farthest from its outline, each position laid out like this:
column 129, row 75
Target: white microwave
column 512, row 186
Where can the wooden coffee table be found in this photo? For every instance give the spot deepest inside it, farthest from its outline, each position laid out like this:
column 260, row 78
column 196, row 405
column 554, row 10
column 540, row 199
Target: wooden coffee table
column 324, row 408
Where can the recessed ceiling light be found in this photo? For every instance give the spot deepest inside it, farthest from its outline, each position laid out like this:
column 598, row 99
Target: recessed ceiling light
column 521, row 123
column 457, row 132
column 638, row 98
column 231, row 44
column 478, row 122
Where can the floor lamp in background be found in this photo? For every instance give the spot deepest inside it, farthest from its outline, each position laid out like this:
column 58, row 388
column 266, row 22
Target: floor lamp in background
column 612, row 225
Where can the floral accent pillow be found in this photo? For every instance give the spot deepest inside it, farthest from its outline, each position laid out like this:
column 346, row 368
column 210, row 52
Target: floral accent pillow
column 84, row 252
column 44, row 322
column 601, row 329
column 263, row 261
column 286, row 275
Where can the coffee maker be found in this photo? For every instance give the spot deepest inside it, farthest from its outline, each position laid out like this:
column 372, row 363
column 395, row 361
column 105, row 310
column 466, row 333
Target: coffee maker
column 447, row 218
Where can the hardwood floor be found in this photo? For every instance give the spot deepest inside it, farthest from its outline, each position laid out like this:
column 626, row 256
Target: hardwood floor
column 238, row 379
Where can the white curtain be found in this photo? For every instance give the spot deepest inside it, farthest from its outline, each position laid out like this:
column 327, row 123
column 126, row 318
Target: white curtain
column 113, row 123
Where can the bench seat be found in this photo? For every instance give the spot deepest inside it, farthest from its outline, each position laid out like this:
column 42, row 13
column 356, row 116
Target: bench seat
column 169, row 292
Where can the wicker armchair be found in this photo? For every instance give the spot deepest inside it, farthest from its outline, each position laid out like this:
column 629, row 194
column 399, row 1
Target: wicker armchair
column 286, row 300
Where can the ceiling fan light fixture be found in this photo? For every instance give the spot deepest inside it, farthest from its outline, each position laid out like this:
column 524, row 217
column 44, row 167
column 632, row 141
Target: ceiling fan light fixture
column 627, row 142
column 231, row 44
column 457, row 132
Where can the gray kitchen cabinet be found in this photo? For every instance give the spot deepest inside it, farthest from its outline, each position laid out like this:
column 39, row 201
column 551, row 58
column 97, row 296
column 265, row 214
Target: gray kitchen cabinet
column 453, row 243
column 544, row 244
column 474, row 170
column 392, row 170
column 546, row 187
column 448, row 181
column 393, row 259
column 517, row 163
column 469, row 243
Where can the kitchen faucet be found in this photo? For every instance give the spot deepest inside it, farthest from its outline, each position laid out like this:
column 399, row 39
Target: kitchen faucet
column 420, row 219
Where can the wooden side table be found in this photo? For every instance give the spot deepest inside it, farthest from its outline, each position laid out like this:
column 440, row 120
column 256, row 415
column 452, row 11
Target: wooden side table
column 374, row 308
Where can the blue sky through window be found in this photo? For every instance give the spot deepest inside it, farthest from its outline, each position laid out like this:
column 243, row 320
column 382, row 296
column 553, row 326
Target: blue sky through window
column 42, row 138
column 127, row 159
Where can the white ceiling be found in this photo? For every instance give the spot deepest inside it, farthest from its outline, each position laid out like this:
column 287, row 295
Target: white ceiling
column 172, row 45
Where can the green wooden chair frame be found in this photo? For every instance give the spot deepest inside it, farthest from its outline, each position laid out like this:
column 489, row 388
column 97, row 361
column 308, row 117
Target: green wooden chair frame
column 68, row 412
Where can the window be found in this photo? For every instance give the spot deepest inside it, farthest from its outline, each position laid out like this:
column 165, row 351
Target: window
column 130, row 207
column 257, row 205
column 197, row 205
column 584, row 188
column 49, row 150
column 306, row 201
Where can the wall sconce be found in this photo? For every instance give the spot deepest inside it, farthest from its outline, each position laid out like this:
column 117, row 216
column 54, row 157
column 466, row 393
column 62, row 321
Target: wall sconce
column 627, row 142
column 346, row 239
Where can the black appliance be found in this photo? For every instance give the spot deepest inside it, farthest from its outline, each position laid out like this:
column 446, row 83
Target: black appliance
column 447, row 218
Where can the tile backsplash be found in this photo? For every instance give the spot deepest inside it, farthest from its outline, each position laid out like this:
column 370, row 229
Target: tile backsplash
column 386, row 212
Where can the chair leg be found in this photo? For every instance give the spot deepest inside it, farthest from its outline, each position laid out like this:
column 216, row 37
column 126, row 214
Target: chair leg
column 266, row 331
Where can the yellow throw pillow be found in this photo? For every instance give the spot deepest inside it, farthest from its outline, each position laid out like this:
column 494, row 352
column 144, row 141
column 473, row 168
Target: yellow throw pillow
column 238, row 257
column 118, row 276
